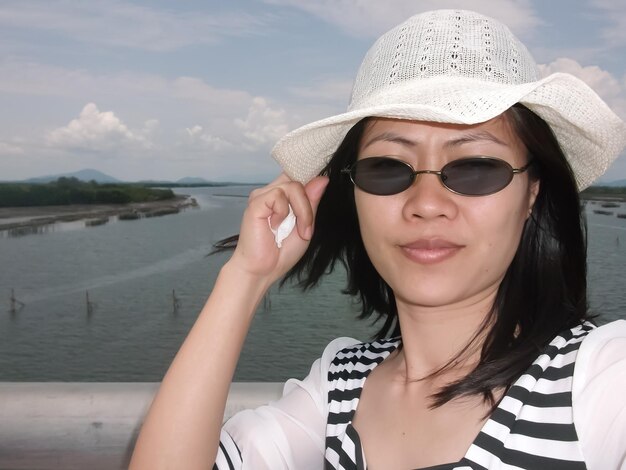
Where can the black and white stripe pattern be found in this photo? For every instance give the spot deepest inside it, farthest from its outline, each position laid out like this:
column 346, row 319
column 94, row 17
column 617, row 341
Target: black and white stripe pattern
column 532, row 428
column 346, row 377
column 228, row 454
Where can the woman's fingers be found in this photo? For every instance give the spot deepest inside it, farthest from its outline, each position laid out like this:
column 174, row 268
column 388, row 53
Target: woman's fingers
column 282, row 193
column 257, row 246
column 304, row 201
column 279, row 180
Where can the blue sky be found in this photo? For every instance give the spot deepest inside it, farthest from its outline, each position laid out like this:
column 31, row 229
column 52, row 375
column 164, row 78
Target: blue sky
column 167, row 89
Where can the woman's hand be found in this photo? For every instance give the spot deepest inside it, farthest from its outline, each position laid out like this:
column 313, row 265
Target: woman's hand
column 256, row 253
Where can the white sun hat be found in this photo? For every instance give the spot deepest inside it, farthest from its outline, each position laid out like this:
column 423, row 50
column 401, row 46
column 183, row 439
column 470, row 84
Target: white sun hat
column 460, row 67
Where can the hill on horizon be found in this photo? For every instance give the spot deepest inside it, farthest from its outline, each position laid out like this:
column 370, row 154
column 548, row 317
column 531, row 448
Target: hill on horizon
column 88, row 174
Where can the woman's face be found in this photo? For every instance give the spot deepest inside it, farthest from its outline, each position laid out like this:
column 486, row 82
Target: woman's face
column 432, row 246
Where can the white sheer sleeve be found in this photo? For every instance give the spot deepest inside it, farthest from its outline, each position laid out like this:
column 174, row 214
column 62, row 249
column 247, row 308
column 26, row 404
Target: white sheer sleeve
column 288, row 433
column 599, row 397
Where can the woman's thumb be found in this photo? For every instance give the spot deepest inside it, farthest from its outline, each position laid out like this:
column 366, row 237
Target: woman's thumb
column 315, row 189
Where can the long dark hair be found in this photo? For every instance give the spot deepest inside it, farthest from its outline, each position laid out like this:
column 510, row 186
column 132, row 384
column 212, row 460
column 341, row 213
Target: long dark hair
column 544, row 290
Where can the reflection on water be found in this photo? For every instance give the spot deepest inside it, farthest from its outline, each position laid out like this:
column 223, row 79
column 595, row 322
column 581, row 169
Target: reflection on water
column 114, row 302
column 15, row 304
column 52, row 226
column 44, row 229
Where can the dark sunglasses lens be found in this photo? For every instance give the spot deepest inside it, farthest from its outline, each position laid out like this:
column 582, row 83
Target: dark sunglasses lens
column 477, row 176
column 381, row 176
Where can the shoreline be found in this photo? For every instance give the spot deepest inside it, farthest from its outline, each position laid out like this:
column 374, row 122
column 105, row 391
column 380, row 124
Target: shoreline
column 12, row 218
column 30, row 217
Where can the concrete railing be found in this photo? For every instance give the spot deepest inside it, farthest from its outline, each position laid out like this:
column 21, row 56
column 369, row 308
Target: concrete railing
column 87, row 426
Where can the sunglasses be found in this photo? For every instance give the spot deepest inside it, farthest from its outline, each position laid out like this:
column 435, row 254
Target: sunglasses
column 470, row 176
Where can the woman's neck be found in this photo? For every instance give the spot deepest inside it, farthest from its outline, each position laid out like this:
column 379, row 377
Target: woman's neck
column 434, row 336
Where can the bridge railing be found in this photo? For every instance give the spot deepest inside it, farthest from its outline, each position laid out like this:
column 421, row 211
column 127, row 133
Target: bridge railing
column 87, row 426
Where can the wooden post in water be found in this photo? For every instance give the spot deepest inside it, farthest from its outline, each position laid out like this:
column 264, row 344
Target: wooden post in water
column 15, row 303
column 90, row 304
column 175, row 302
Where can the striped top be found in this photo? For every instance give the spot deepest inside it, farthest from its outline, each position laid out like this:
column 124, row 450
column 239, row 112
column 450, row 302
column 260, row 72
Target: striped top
column 532, row 427
column 566, row 411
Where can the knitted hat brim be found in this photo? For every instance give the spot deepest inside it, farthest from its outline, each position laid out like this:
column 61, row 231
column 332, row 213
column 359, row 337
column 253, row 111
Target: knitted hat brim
column 589, row 133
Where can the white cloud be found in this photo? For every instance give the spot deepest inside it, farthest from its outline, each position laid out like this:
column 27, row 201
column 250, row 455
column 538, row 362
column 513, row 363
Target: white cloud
column 124, row 24
column 8, row 148
column 370, row 18
column 615, row 15
column 32, row 78
column 543, row 52
column 251, row 134
column 263, row 125
column 149, row 127
column 220, row 121
column 95, row 130
column 335, row 91
column 604, row 83
column 256, row 129
column 197, row 137
column 194, row 131
column 195, row 89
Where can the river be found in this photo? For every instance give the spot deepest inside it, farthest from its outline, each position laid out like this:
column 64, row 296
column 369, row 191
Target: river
column 114, row 302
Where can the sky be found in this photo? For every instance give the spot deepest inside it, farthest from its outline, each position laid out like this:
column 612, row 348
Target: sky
column 204, row 88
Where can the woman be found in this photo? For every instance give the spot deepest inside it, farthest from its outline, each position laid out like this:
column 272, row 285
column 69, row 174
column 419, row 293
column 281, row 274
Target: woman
column 451, row 198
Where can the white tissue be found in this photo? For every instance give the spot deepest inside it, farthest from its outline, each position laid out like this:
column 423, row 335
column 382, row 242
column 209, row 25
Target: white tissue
column 284, row 229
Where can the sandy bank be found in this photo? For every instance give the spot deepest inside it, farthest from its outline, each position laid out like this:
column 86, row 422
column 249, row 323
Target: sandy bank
column 21, row 217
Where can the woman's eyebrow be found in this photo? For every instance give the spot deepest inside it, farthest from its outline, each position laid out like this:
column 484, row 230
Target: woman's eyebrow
column 391, row 137
column 455, row 142
column 474, row 137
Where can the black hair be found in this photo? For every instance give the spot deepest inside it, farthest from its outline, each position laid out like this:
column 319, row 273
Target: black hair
column 542, row 293
column 337, row 237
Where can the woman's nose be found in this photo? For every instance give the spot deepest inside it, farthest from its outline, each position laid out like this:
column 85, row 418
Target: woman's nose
column 428, row 198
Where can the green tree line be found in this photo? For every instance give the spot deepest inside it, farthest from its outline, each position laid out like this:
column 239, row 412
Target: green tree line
column 74, row 191
column 598, row 192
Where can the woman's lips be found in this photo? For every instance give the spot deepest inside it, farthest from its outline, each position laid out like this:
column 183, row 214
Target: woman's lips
column 430, row 251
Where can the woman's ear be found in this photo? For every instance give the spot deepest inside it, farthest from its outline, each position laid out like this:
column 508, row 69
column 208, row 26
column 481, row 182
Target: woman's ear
column 533, row 191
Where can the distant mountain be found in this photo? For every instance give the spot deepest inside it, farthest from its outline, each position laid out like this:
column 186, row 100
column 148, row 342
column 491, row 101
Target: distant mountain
column 192, row 180
column 83, row 175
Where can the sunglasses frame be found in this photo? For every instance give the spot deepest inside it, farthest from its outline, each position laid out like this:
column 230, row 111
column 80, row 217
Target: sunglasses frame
column 440, row 173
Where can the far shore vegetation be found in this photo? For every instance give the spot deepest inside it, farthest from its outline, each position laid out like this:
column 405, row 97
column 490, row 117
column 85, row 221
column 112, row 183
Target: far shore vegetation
column 65, row 191
column 604, row 193
column 70, row 190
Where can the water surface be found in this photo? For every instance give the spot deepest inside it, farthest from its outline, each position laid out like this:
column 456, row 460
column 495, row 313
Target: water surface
column 134, row 272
